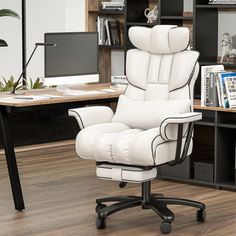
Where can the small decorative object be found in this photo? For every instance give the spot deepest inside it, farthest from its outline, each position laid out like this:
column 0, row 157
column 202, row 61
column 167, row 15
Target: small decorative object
column 227, row 47
column 151, row 14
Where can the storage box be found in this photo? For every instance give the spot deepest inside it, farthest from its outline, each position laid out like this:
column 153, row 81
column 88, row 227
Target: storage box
column 204, row 171
column 179, row 171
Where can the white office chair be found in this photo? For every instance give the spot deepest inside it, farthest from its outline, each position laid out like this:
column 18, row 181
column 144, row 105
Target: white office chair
column 152, row 125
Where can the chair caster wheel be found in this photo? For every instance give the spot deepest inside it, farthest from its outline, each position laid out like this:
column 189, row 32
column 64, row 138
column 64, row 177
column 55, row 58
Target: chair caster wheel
column 99, row 207
column 201, row 215
column 165, row 227
column 100, row 223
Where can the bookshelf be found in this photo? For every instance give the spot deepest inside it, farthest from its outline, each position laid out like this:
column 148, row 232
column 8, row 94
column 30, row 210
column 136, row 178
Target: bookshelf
column 214, row 143
column 215, row 134
column 92, row 11
column 206, row 32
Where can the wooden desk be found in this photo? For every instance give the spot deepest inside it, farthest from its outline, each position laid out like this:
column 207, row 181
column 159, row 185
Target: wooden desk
column 10, row 106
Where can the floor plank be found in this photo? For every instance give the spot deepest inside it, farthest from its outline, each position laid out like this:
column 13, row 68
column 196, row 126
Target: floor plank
column 60, row 191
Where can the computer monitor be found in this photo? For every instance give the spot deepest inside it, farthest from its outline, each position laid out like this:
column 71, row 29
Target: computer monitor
column 73, row 60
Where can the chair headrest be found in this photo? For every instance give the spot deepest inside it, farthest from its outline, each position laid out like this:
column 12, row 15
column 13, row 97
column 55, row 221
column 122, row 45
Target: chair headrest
column 160, row 39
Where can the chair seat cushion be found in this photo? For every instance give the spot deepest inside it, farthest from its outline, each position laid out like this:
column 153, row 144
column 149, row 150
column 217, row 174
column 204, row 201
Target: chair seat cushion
column 125, row 173
column 117, row 143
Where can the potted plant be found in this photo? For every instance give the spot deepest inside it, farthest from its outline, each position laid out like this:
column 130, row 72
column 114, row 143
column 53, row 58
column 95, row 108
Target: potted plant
column 7, row 12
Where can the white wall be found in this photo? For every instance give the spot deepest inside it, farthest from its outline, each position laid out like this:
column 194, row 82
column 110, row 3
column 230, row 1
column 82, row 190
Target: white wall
column 75, row 15
column 11, row 56
column 42, row 16
column 117, row 62
column 188, row 5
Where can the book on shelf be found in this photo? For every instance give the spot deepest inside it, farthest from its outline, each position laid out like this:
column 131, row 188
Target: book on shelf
column 108, row 31
column 114, row 32
column 212, row 98
column 230, row 86
column 218, row 87
column 223, row 92
column 119, row 81
column 205, row 81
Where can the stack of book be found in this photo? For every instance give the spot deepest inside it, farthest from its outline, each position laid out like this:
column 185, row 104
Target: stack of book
column 218, row 87
column 119, row 81
column 108, row 31
column 222, row 1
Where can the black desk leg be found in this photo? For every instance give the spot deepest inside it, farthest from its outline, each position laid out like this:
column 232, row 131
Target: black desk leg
column 11, row 162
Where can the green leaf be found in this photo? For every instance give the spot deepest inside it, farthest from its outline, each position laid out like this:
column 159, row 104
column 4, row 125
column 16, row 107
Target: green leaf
column 5, row 81
column 3, row 43
column 36, row 84
column 31, row 84
column 8, row 12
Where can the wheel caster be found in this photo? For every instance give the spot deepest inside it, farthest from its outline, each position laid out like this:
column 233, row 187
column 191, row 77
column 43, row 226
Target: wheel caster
column 100, row 223
column 99, row 207
column 165, row 227
column 201, row 215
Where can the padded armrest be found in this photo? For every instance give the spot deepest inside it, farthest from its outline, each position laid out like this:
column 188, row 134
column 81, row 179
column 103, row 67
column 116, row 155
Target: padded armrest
column 87, row 116
column 169, row 126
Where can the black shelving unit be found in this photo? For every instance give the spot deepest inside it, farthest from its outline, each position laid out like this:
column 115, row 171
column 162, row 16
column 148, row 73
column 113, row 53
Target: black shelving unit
column 214, row 142
column 205, row 34
column 215, row 135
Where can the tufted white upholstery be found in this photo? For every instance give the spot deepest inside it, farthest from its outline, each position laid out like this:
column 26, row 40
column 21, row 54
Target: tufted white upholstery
column 158, row 69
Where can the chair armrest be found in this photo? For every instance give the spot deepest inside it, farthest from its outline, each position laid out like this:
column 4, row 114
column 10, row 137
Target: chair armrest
column 169, row 126
column 87, row 116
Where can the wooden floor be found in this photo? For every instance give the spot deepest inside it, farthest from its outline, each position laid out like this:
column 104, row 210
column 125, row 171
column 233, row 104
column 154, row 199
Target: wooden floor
column 60, row 191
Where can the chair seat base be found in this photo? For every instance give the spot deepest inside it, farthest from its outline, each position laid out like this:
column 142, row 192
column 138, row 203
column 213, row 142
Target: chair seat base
column 156, row 202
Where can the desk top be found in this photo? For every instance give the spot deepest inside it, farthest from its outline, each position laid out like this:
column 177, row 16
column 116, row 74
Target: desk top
column 5, row 98
column 64, row 98
column 197, row 106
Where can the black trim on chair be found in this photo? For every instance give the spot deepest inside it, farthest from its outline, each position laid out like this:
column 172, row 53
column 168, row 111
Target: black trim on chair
column 79, row 118
column 178, row 157
column 153, row 156
column 187, row 142
column 156, row 150
column 121, row 164
column 135, row 85
column 191, row 75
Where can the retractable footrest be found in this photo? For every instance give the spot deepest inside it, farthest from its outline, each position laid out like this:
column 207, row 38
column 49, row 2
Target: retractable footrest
column 125, row 173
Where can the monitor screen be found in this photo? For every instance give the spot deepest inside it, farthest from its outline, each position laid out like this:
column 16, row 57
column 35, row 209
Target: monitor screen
column 75, row 53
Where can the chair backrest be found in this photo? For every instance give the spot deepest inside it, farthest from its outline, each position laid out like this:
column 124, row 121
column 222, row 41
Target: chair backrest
column 161, row 67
